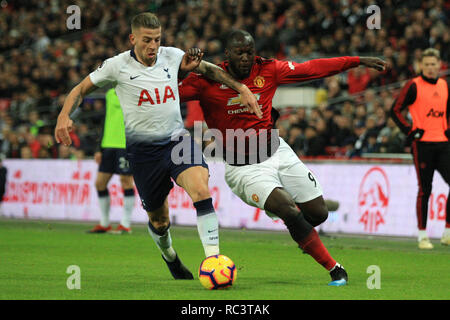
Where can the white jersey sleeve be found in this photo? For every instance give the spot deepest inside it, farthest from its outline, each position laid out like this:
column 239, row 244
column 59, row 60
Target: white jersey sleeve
column 106, row 73
column 176, row 53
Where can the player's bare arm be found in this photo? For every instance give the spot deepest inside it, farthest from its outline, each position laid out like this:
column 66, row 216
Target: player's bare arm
column 373, row 62
column 73, row 100
column 192, row 62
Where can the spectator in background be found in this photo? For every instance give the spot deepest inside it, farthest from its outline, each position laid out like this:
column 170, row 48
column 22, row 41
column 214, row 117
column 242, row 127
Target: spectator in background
column 371, row 124
column 314, row 144
column 344, row 129
column 322, row 131
column 333, row 87
column 381, row 119
column 370, row 100
column 391, row 138
column 361, row 133
column 33, row 143
column 296, row 139
column 44, row 154
column 358, row 79
column 348, row 109
column 35, row 122
column 371, row 145
column 301, row 120
column 349, row 146
column 48, row 147
column 360, row 114
column 65, row 152
column 25, row 152
column 88, row 140
column 12, row 145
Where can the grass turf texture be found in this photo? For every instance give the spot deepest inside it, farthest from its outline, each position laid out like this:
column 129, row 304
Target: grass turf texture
column 34, row 257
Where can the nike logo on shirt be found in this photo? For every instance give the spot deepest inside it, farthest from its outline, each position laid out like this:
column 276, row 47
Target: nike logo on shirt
column 131, row 78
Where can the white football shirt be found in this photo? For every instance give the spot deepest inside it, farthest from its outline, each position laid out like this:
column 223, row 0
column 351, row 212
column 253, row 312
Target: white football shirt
column 148, row 95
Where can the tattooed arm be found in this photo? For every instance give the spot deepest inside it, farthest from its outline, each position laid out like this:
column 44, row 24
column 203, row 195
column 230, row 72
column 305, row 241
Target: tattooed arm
column 73, row 100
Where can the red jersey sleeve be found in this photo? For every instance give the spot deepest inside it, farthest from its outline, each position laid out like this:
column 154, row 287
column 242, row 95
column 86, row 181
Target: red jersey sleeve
column 189, row 88
column 289, row 72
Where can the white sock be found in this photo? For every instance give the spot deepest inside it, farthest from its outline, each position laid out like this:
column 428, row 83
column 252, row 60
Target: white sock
column 422, row 234
column 128, row 206
column 104, row 203
column 337, row 265
column 208, row 230
column 164, row 244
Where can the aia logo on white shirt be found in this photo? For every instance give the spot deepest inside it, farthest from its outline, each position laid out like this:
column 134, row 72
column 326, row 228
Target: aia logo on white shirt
column 145, row 96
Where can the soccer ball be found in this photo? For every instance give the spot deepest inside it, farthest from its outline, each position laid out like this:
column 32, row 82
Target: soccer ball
column 217, row 272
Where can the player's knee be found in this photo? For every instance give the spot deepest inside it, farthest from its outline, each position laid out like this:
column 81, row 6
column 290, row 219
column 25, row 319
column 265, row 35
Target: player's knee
column 126, row 182
column 287, row 210
column 100, row 185
column 316, row 215
column 159, row 223
column 322, row 215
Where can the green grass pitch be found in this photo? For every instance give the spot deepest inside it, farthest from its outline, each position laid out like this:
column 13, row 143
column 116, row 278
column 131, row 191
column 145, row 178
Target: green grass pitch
column 35, row 255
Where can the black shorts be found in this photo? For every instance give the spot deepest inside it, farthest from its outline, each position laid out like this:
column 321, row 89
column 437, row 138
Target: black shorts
column 153, row 167
column 114, row 160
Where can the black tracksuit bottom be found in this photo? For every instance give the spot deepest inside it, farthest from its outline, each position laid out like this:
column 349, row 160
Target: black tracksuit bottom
column 428, row 157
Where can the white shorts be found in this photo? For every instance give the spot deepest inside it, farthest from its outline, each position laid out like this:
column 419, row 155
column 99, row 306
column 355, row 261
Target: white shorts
column 254, row 183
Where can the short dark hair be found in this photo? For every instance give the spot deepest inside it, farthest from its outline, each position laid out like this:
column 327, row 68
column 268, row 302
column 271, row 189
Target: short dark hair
column 145, row 20
column 238, row 36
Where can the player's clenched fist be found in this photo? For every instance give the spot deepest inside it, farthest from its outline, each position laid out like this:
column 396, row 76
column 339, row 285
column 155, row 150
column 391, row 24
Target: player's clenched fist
column 191, row 59
column 64, row 125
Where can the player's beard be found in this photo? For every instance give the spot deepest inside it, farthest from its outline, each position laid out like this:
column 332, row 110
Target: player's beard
column 149, row 61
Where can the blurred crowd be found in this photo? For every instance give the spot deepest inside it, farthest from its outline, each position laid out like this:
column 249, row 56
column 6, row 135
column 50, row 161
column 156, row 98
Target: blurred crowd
column 41, row 60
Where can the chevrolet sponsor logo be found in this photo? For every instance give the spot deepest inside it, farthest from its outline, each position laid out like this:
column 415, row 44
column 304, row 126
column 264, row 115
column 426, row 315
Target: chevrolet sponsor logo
column 237, row 100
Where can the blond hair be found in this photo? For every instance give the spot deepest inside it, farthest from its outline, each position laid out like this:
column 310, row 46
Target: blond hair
column 431, row 52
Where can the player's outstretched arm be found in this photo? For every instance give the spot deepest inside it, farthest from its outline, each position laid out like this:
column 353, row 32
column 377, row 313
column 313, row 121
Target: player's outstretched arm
column 73, row 100
column 373, row 62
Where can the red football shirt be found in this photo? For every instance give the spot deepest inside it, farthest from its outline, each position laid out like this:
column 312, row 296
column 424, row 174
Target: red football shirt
column 221, row 105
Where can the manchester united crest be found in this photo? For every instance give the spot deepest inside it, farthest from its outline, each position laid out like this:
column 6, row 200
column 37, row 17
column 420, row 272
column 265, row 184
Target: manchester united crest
column 259, row 81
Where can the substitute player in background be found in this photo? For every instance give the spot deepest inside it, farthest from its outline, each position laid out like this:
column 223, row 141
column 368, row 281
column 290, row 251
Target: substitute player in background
column 426, row 97
column 146, row 82
column 112, row 160
column 279, row 183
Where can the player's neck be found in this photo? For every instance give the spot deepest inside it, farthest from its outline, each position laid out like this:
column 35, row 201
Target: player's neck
column 234, row 74
column 429, row 80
